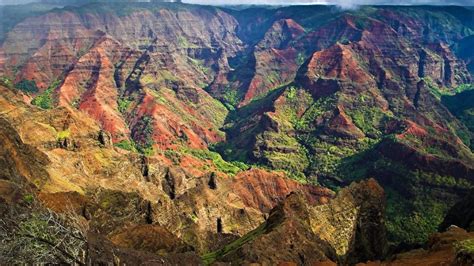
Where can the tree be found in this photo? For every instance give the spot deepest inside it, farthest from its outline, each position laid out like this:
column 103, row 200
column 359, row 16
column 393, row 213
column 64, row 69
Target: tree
column 37, row 235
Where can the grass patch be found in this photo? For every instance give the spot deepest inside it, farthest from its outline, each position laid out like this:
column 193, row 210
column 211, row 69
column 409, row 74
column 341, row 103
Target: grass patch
column 6, row 82
column 199, row 64
column 212, row 257
column 62, row 135
column 231, row 98
column 368, row 119
column 144, row 136
column 219, row 163
column 465, row 247
column 126, row 145
column 412, row 221
column 184, row 43
column 123, row 105
column 45, row 99
column 173, row 155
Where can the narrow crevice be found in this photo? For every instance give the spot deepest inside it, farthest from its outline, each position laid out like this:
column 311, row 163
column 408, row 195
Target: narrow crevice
column 145, row 168
column 421, row 64
column 149, row 213
column 302, row 258
column 168, row 185
column 212, row 181
column 219, row 225
column 447, row 72
column 416, row 99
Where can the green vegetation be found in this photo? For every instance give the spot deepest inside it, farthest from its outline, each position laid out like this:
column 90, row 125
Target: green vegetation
column 6, row 82
column 184, row 43
column 45, row 99
column 462, row 106
column 132, row 146
column 300, row 59
column 173, row 155
column 126, row 145
column 219, row 163
column 465, row 247
column 368, row 119
column 65, row 134
column 291, row 93
column 282, row 152
column 272, row 78
column 144, row 142
column 436, row 90
column 413, row 220
column 414, row 206
column 199, row 64
column 28, row 198
column 28, row 86
column 210, row 258
column 123, row 105
column 317, row 109
column 439, row 92
column 147, row 79
column 161, row 76
column 231, row 98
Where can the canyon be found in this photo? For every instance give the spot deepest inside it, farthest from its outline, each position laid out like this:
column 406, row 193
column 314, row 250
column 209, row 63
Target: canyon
column 170, row 133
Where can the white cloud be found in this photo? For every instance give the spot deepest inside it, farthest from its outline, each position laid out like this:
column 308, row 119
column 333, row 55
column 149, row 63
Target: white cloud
column 342, row 3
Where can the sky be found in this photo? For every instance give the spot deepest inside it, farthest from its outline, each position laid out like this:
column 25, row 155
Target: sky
column 343, row 3
column 346, row 3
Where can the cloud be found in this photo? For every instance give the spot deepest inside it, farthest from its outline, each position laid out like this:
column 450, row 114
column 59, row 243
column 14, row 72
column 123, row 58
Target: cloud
column 342, row 3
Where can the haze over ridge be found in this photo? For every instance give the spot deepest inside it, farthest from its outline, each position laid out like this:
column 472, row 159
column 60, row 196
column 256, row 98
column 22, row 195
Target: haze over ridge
column 343, row 3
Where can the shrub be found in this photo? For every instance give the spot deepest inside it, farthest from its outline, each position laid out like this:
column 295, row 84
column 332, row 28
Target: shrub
column 219, row 163
column 28, row 86
column 465, row 247
column 126, row 145
column 144, row 141
column 37, row 236
column 6, row 82
column 28, row 198
column 173, row 155
column 123, row 105
column 45, row 99
column 63, row 134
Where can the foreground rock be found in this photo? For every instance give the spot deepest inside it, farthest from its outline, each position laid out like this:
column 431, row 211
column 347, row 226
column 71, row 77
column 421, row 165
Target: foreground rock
column 448, row 248
column 349, row 229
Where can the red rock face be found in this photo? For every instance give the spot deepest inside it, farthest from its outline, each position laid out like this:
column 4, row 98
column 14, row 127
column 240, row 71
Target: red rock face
column 336, row 63
column 169, row 126
column 90, row 86
column 341, row 125
column 43, row 47
column 325, row 36
column 96, row 57
column 263, row 190
column 275, row 59
column 440, row 250
column 47, row 63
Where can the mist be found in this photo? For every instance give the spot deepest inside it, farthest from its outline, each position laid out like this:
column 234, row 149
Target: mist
column 341, row 3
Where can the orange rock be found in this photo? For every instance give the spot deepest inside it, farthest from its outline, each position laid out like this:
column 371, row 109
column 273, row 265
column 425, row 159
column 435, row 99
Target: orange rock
column 262, row 190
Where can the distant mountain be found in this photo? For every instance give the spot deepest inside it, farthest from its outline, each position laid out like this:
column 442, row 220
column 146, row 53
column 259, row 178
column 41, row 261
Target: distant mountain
column 16, row 2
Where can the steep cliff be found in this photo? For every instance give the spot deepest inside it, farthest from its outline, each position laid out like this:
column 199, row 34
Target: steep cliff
column 348, row 229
